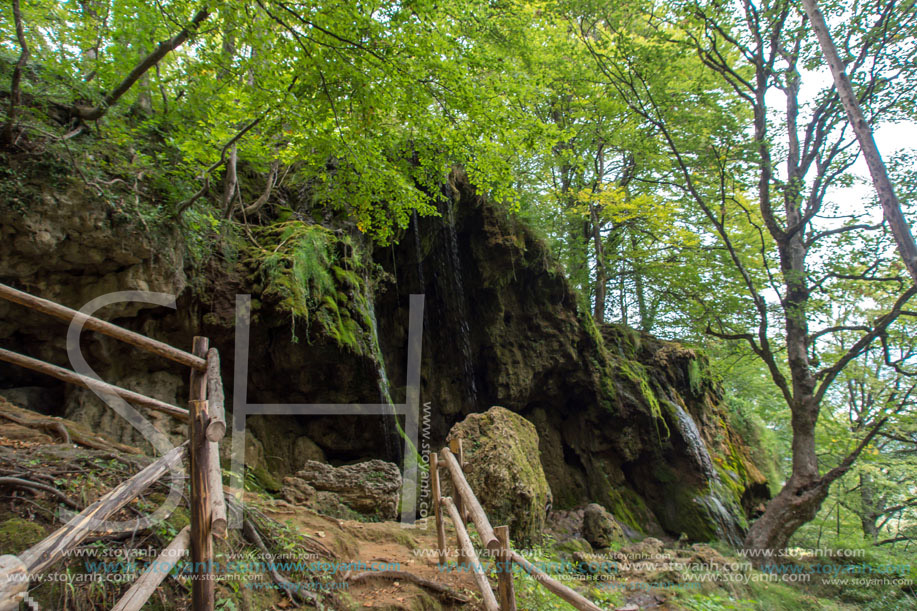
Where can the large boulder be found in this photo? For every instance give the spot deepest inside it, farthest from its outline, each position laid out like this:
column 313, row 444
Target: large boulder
column 504, row 471
column 370, row 487
column 600, row 528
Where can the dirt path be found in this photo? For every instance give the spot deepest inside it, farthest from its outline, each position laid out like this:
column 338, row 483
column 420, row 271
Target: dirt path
column 383, row 545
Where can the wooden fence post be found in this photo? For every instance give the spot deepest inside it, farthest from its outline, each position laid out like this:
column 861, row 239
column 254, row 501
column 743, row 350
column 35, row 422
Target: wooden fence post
column 202, row 585
column 437, row 509
column 505, row 587
column 216, row 427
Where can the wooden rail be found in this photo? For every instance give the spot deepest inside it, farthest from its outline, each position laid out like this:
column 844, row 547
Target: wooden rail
column 147, row 583
column 467, row 507
column 207, row 428
column 95, row 324
column 477, row 571
column 91, row 383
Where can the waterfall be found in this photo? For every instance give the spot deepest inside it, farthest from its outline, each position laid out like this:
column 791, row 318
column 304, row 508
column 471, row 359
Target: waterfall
column 691, row 434
column 389, row 425
column 727, row 527
column 718, row 503
column 457, row 297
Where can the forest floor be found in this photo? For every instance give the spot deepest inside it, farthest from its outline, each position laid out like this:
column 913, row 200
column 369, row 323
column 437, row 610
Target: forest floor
column 326, row 554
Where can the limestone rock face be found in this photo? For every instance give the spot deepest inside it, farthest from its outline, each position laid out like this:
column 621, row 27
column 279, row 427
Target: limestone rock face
column 504, row 471
column 297, row 491
column 599, row 527
column 71, row 247
column 370, row 487
column 84, row 406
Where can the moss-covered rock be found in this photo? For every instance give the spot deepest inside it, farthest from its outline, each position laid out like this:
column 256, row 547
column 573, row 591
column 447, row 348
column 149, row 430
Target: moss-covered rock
column 600, row 529
column 504, row 470
column 573, row 545
column 17, row 534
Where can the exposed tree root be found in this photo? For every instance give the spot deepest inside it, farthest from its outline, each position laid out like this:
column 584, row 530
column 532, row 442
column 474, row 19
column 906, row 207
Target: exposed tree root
column 15, row 482
column 438, row 588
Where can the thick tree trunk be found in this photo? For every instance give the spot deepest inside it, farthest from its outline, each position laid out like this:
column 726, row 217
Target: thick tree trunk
column 801, row 497
column 795, row 505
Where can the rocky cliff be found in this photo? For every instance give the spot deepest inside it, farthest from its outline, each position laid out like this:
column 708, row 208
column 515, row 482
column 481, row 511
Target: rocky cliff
column 624, row 419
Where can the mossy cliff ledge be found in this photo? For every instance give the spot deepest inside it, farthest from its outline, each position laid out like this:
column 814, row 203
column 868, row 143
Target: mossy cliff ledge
column 611, row 407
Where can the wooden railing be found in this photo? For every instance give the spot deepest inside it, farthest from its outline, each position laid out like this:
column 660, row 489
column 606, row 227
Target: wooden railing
column 207, row 422
column 466, row 507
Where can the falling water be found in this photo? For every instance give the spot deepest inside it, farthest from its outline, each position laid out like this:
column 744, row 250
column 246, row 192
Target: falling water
column 691, row 434
column 717, row 503
column 726, row 525
column 389, row 425
column 458, row 297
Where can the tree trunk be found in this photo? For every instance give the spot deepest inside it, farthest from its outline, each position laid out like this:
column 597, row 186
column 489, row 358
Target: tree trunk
column 795, row 505
column 868, row 512
column 646, row 319
column 880, row 180
column 7, row 135
column 89, row 113
column 801, row 497
column 601, row 272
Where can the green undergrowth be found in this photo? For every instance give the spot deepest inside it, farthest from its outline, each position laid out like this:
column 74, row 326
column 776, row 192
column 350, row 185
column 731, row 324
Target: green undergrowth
column 321, row 277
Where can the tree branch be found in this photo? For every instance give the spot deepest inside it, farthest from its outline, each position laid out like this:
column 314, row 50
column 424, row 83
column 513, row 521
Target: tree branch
column 90, row 113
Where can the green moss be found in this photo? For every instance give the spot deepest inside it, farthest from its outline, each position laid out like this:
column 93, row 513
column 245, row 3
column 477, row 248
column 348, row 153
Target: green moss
column 180, row 518
column 17, row 534
column 686, row 515
column 319, row 277
column 573, row 545
column 695, row 378
column 629, row 508
column 637, row 374
column 264, row 479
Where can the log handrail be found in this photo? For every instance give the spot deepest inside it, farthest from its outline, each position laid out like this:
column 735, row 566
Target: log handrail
column 95, row 324
column 146, row 584
column 470, row 502
column 93, row 384
column 504, row 553
column 208, row 427
column 50, row 549
column 477, row 571
column 568, row 594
